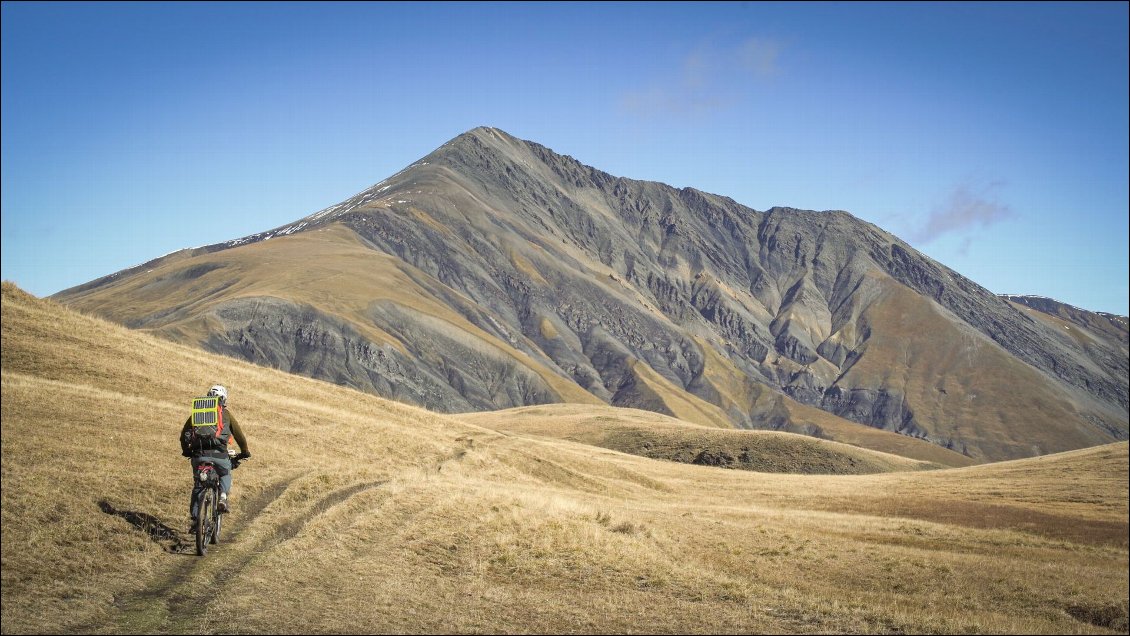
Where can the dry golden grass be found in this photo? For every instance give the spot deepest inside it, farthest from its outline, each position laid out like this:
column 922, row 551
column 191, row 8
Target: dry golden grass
column 666, row 396
column 361, row 515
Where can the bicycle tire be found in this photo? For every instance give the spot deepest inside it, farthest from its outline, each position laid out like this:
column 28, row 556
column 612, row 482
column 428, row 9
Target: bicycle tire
column 219, row 524
column 204, row 523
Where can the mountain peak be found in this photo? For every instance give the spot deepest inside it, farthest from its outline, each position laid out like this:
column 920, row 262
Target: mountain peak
column 482, row 136
column 495, row 272
column 489, row 131
column 479, row 141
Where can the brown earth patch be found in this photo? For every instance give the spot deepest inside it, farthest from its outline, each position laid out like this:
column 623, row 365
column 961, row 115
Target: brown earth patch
column 995, row 516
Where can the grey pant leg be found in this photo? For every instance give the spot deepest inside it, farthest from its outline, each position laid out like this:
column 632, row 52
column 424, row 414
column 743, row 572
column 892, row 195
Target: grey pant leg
column 223, row 468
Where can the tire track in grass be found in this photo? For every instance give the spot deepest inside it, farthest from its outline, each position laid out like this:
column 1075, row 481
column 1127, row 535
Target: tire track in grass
column 180, row 602
column 186, row 608
column 148, row 611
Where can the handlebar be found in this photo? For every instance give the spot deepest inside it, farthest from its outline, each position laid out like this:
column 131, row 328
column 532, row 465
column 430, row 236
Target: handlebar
column 236, row 458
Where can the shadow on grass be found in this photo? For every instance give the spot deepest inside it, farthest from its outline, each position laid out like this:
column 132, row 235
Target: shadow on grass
column 1111, row 616
column 168, row 538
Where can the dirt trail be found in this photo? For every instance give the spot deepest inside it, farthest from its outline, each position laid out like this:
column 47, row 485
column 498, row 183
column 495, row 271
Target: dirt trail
column 178, row 602
column 155, row 609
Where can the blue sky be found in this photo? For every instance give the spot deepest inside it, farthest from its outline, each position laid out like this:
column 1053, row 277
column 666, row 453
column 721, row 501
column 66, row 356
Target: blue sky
column 993, row 137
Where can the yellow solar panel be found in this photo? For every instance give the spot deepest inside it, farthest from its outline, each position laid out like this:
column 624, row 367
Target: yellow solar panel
column 205, row 411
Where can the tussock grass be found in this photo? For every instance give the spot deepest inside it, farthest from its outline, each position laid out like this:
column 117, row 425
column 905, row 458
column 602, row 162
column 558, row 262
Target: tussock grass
column 361, row 515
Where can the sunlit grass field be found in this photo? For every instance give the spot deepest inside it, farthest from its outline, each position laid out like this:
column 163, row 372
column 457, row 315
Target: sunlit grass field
column 361, row 515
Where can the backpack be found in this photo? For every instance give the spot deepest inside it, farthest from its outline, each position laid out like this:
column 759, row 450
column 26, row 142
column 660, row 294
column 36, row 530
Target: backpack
column 209, row 431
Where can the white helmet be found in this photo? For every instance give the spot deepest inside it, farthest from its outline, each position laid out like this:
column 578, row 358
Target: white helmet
column 219, row 391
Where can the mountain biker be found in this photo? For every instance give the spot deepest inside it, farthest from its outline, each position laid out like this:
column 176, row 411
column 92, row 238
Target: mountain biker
column 214, row 451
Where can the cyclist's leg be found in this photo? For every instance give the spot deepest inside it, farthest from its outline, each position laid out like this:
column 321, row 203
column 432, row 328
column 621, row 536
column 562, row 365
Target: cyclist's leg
column 223, row 467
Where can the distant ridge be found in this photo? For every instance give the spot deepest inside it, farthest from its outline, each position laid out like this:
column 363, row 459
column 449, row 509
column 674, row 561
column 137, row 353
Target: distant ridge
column 1034, row 300
column 1118, row 325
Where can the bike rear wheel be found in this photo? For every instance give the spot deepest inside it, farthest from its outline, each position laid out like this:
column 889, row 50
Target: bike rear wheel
column 204, row 524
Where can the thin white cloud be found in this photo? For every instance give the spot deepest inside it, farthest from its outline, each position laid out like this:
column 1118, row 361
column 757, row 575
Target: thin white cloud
column 657, row 100
column 759, row 56
column 705, row 79
column 697, row 69
column 969, row 205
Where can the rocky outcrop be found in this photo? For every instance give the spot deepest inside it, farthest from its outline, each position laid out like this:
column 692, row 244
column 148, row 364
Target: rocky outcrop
column 441, row 371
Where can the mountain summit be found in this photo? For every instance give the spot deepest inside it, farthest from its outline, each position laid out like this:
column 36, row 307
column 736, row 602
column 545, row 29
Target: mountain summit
column 495, row 273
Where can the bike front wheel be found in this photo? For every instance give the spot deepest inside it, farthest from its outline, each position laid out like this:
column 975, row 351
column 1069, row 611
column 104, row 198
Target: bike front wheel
column 217, row 526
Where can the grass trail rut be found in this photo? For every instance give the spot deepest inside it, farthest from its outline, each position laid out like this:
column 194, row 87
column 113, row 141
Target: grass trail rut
column 180, row 600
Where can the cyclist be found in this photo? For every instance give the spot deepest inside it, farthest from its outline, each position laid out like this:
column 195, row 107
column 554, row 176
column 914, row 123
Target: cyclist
column 214, row 449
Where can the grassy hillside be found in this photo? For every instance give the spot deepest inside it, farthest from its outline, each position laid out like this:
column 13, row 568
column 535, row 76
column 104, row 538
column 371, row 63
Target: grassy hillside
column 358, row 515
column 328, row 271
column 964, row 386
column 658, row 437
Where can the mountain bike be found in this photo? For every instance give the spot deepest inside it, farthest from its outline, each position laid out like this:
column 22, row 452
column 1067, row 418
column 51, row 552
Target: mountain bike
column 207, row 489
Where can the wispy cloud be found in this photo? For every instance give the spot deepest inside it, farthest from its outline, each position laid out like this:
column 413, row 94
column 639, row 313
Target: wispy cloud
column 969, row 205
column 662, row 100
column 705, row 80
column 759, row 56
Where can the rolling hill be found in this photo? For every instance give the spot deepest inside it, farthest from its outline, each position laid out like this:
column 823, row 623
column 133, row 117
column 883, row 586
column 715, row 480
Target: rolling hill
column 358, row 514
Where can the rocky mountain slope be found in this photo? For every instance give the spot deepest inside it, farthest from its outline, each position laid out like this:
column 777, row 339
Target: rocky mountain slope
column 496, row 273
